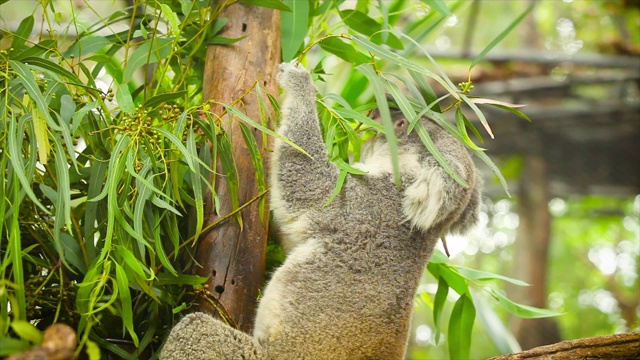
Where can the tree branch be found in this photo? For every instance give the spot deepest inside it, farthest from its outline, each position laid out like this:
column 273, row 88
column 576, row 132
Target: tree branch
column 610, row 347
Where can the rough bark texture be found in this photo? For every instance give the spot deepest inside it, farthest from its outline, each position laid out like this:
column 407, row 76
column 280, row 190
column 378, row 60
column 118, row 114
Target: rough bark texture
column 609, row 347
column 532, row 252
column 234, row 257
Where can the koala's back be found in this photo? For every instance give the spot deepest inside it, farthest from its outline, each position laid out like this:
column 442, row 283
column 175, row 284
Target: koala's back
column 347, row 291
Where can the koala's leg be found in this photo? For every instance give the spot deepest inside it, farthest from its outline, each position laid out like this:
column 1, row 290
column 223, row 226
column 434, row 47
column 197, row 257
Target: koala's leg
column 198, row 336
column 298, row 180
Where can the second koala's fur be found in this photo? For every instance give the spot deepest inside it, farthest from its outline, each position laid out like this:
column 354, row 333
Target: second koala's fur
column 347, row 287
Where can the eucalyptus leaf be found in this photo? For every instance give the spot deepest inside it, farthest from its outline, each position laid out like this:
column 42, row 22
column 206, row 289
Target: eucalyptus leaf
column 22, row 32
column 343, row 50
column 460, row 327
column 27, row 331
column 293, row 26
column 273, row 4
column 438, row 305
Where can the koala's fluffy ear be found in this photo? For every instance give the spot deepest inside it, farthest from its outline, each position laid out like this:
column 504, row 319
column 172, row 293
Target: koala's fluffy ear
column 436, row 198
column 423, row 199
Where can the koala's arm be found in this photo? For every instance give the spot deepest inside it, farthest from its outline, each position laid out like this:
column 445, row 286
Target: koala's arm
column 301, row 181
column 435, row 199
column 198, row 336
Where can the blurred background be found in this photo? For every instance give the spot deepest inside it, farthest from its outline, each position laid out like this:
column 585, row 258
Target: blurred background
column 571, row 226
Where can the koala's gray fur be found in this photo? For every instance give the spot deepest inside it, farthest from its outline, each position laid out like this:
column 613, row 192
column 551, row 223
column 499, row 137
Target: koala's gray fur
column 347, row 287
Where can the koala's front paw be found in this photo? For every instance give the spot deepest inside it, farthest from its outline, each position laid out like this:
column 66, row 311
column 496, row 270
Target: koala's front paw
column 295, row 79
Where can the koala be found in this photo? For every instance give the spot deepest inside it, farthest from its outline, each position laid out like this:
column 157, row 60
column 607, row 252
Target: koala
column 346, row 288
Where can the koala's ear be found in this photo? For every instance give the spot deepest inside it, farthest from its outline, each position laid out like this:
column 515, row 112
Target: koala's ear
column 423, row 199
column 375, row 114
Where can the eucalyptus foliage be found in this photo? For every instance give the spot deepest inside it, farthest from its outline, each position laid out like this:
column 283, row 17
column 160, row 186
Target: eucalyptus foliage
column 102, row 189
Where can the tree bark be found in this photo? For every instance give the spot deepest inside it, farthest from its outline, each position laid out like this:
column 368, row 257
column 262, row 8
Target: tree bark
column 232, row 256
column 531, row 258
column 609, row 347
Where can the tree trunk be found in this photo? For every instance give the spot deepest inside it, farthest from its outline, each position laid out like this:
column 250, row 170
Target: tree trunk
column 609, row 347
column 232, row 256
column 532, row 252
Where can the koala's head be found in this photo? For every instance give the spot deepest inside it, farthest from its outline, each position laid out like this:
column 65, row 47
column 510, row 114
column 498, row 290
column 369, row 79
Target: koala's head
column 411, row 151
column 425, row 184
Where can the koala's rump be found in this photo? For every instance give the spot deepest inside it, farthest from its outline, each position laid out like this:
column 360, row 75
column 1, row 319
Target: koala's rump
column 339, row 299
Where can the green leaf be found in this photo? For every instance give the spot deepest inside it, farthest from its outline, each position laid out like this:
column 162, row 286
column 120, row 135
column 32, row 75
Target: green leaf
column 162, row 255
column 438, row 5
column 438, row 304
column 188, row 157
column 196, row 184
column 495, row 170
column 461, row 121
column 180, row 279
column 149, row 52
column 40, row 49
column 173, row 19
column 479, row 114
column 362, row 23
column 125, row 302
column 22, row 32
column 264, row 129
column 53, row 68
column 96, row 179
column 294, row 26
column 27, row 79
column 164, row 205
column 256, row 157
column 501, row 36
column 429, row 144
column 272, row 4
column 494, row 326
column 512, row 110
column 343, row 50
column 217, row 25
column 460, row 326
column 87, row 45
column 473, row 274
column 178, row 309
column 439, row 258
column 401, row 100
column 385, row 114
column 456, row 281
column 27, row 331
column 72, row 252
column 42, row 137
column 14, row 144
column 9, row 345
column 63, row 201
column 132, row 262
column 67, row 109
column 399, row 60
column 221, row 40
column 166, row 97
column 341, row 178
column 123, row 96
column 186, row 6
column 523, row 311
column 93, row 350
